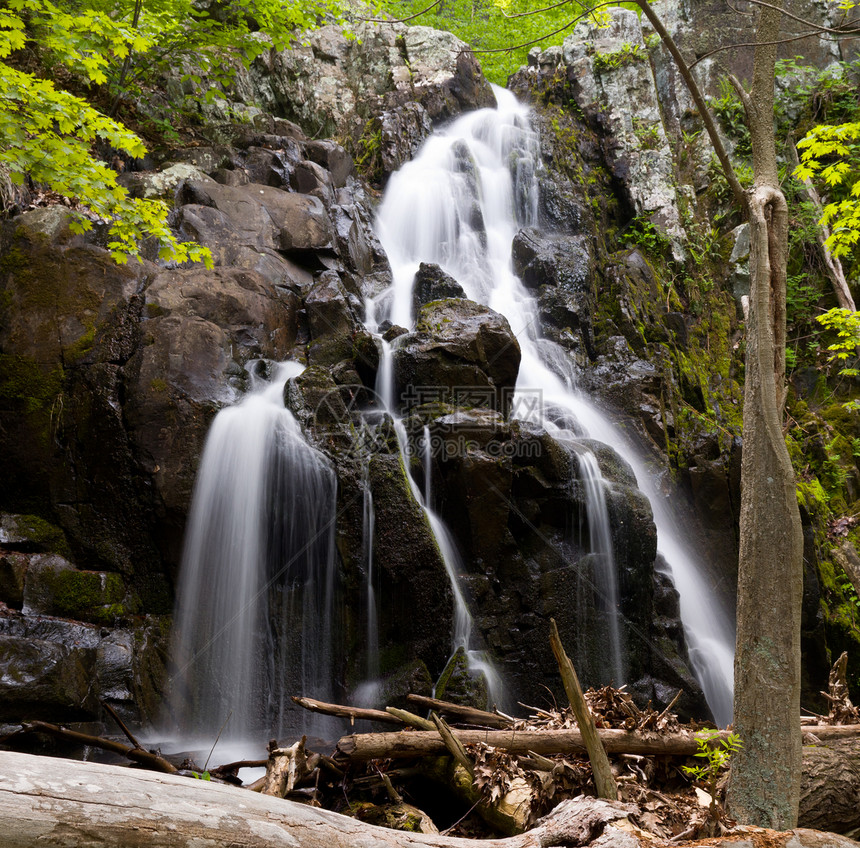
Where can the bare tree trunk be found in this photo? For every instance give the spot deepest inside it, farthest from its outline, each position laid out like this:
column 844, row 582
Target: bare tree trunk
column 833, row 266
column 765, row 781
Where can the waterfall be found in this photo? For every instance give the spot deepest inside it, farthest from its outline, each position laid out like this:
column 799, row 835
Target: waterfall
column 464, row 636
column 255, row 617
column 367, row 692
column 459, row 204
column 602, row 556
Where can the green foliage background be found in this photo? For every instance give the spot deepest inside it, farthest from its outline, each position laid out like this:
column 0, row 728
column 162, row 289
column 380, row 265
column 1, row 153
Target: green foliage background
column 501, row 41
column 66, row 66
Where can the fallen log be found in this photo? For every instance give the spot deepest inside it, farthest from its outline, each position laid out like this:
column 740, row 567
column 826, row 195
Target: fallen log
column 508, row 814
column 48, row 802
column 342, row 711
column 360, row 747
column 830, row 789
column 469, row 715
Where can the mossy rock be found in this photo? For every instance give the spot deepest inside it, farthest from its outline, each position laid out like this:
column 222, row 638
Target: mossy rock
column 31, row 533
column 53, row 586
column 396, row 816
column 459, row 685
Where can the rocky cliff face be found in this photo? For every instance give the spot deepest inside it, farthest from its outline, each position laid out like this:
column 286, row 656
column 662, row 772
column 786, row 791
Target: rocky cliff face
column 657, row 329
column 110, row 376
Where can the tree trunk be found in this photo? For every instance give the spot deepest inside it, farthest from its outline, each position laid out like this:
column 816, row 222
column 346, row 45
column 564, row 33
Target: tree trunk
column 765, row 781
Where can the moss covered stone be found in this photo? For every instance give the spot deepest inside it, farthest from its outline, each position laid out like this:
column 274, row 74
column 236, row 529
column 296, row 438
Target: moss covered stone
column 53, row 586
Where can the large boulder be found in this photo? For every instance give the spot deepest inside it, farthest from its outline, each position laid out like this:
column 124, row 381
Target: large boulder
column 264, row 216
column 432, row 283
column 200, row 329
column 460, row 345
column 58, row 670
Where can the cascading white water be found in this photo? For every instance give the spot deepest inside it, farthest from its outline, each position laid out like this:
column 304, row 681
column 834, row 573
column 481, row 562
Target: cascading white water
column 600, row 535
column 459, row 204
column 255, row 615
column 464, row 636
column 367, row 692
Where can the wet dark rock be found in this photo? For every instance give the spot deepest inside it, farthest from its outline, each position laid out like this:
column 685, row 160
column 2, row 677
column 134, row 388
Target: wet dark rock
column 559, row 270
column 412, row 677
column 460, row 685
column 612, row 466
column 316, row 400
column 392, row 331
column 355, row 238
column 414, row 588
column 562, row 207
column 328, row 309
column 13, row 570
column 432, row 283
column 58, row 670
column 46, row 680
column 543, row 260
column 463, row 346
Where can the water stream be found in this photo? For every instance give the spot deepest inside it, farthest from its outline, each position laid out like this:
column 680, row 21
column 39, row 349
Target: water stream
column 255, row 619
column 459, row 204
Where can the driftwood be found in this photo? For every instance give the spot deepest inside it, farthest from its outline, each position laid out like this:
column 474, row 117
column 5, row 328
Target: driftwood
column 604, row 782
column 468, row 715
column 842, row 711
column 48, row 802
column 453, row 744
column 285, row 768
column 410, row 719
column 360, row 747
column 138, row 754
column 391, row 715
column 342, row 711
